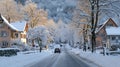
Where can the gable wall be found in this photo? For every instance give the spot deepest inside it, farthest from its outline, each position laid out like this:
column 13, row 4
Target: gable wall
column 8, row 37
column 111, row 22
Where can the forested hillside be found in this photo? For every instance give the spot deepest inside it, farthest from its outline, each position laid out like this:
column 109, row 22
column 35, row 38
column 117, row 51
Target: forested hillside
column 65, row 9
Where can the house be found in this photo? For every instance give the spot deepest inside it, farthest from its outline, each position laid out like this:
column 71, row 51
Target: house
column 9, row 32
column 113, row 36
column 22, row 28
column 101, row 31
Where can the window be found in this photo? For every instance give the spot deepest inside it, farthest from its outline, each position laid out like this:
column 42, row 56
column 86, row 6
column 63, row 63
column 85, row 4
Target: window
column 16, row 35
column 3, row 34
column 119, row 37
column 113, row 37
column 2, row 25
column 4, row 44
column 109, row 24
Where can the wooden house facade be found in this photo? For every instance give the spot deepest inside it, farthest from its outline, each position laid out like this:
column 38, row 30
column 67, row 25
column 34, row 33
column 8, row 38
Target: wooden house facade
column 101, row 36
column 9, row 32
column 113, row 36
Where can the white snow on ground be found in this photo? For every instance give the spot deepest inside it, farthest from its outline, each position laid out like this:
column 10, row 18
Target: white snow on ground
column 30, row 57
column 103, row 61
column 24, row 58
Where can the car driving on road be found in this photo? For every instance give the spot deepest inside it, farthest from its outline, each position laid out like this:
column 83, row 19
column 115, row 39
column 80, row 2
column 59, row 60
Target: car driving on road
column 57, row 50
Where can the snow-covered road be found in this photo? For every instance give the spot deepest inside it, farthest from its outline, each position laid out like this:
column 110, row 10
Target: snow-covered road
column 64, row 59
column 72, row 57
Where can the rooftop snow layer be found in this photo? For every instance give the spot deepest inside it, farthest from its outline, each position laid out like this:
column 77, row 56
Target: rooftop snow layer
column 20, row 25
column 113, row 31
column 6, row 22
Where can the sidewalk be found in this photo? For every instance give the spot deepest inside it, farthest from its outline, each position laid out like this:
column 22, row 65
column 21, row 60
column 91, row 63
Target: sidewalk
column 23, row 58
column 103, row 61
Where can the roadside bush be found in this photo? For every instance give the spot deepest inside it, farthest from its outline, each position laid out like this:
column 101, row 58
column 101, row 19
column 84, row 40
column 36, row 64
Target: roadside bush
column 8, row 52
column 114, row 48
column 18, row 44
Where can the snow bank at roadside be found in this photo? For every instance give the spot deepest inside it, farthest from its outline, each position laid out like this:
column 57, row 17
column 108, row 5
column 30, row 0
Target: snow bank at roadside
column 24, row 58
column 104, row 61
column 67, row 46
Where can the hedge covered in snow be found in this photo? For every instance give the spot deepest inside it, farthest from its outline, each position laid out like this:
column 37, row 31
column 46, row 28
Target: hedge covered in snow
column 8, row 52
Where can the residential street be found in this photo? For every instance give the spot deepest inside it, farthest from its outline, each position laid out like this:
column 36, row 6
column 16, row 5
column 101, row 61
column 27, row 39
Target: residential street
column 59, row 33
column 64, row 59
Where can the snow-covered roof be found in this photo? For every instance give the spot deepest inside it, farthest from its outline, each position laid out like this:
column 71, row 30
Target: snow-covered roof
column 104, row 25
column 6, row 22
column 113, row 31
column 20, row 25
column 98, row 29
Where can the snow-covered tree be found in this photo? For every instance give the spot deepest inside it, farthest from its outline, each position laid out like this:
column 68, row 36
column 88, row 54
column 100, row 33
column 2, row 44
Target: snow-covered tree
column 97, row 10
column 98, row 7
column 34, row 15
column 58, row 9
column 109, row 9
column 61, row 33
column 75, row 35
column 11, row 10
column 38, row 33
column 51, row 27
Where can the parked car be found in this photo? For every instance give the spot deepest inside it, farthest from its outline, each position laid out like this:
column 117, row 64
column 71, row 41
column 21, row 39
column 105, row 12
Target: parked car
column 57, row 50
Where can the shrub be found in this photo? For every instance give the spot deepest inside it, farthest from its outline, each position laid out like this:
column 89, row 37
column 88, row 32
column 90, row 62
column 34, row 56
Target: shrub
column 18, row 44
column 8, row 52
column 114, row 48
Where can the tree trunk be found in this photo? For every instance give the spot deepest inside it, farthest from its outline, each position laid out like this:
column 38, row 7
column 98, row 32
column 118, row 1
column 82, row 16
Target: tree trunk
column 33, row 42
column 40, row 43
column 84, row 35
column 40, row 48
column 94, row 20
column 93, row 41
column 92, row 28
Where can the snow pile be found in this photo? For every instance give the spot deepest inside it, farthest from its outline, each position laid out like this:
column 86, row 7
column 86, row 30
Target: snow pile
column 67, row 46
column 103, row 61
column 23, row 59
